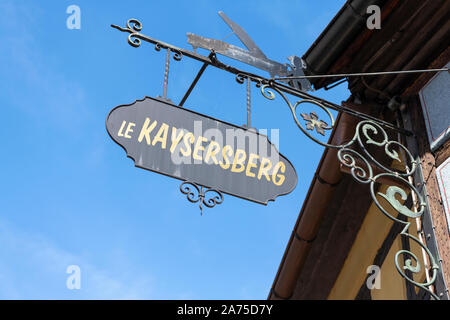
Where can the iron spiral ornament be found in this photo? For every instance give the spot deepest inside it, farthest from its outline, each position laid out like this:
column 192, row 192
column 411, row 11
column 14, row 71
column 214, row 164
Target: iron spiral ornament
column 354, row 155
column 360, row 164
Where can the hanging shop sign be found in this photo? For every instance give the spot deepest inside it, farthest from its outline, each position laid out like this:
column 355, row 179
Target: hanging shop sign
column 193, row 147
column 211, row 156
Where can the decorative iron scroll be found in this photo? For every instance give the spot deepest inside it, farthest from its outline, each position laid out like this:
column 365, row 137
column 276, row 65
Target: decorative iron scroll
column 369, row 132
column 133, row 27
column 196, row 193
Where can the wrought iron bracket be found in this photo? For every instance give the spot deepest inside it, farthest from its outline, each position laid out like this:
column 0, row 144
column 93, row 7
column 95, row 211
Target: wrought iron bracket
column 133, row 27
column 427, row 225
column 355, row 154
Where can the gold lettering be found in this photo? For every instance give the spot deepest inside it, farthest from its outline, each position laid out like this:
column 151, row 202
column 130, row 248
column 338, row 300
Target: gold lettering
column 120, row 133
column 264, row 168
column 281, row 177
column 213, row 149
column 239, row 159
column 251, row 164
column 226, row 150
column 176, row 138
column 161, row 136
column 198, row 147
column 146, row 129
column 129, row 130
column 187, row 144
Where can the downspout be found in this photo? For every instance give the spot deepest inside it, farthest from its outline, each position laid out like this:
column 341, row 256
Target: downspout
column 319, row 195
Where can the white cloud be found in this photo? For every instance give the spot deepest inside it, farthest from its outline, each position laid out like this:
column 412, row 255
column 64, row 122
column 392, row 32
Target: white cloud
column 45, row 91
column 32, row 267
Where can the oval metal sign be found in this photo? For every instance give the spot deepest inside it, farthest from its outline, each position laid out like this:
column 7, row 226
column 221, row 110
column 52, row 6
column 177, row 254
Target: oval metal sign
column 190, row 146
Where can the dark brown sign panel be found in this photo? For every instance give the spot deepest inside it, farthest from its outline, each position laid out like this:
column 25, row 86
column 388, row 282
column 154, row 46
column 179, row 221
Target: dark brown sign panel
column 189, row 146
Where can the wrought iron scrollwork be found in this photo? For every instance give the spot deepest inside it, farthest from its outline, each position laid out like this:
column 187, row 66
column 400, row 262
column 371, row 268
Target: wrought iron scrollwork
column 408, row 264
column 134, row 27
column 361, row 168
column 241, row 77
column 206, row 196
column 267, row 91
column 361, row 164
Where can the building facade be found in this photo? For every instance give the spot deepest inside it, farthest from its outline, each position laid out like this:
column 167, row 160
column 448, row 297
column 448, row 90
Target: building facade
column 343, row 246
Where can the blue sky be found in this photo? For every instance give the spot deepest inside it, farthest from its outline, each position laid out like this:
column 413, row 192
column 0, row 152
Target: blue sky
column 69, row 194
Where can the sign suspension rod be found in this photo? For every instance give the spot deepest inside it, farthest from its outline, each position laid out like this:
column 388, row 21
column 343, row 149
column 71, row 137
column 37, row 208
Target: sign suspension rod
column 193, row 84
column 249, row 124
column 359, row 74
column 166, row 74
